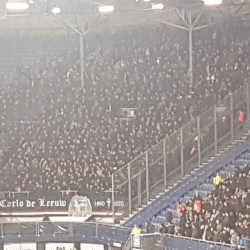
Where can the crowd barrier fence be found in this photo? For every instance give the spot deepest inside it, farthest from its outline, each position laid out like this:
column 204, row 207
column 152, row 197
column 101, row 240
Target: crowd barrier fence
column 159, row 241
column 151, row 173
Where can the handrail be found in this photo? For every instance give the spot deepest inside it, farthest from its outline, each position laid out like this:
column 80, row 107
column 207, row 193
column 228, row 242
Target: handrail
column 69, row 190
column 15, row 192
column 187, row 238
column 66, row 222
column 127, row 245
column 16, row 227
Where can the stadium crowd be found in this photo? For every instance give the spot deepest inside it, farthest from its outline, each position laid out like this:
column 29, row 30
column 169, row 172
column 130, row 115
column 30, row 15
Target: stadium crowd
column 222, row 216
column 55, row 136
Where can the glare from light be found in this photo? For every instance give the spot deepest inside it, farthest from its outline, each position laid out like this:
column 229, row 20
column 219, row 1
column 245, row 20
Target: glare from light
column 146, row 0
column 17, row 6
column 56, row 10
column 106, row 9
column 212, row 2
column 157, row 6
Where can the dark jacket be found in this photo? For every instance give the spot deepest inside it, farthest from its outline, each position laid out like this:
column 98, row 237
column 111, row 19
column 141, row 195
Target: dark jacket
column 188, row 232
column 169, row 217
column 182, row 221
column 163, row 229
column 150, row 228
column 171, row 229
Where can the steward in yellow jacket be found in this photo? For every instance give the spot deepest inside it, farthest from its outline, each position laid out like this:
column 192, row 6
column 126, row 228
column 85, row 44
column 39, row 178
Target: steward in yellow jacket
column 136, row 230
column 217, row 179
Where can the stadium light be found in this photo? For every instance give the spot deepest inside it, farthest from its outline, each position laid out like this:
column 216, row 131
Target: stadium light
column 56, row 10
column 17, row 5
column 212, row 2
column 157, row 6
column 106, row 9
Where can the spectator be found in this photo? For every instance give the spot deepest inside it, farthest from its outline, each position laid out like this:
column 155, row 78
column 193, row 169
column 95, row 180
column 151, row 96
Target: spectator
column 136, row 230
column 169, row 216
column 163, row 229
column 217, row 179
column 171, row 228
column 197, row 197
column 188, row 232
column 150, row 228
column 224, row 237
column 180, row 209
column 240, row 241
column 182, row 223
column 234, row 237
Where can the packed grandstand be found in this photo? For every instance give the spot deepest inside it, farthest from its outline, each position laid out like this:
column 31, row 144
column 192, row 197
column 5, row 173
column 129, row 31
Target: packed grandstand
column 59, row 138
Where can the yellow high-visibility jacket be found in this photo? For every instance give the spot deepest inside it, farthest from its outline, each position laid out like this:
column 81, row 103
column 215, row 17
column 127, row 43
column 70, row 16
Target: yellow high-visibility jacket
column 137, row 230
column 217, row 180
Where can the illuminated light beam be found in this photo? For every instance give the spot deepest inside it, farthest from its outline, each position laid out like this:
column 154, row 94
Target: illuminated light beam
column 106, row 9
column 56, row 10
column 17, row 6
column 157, row 6
column 212, row 2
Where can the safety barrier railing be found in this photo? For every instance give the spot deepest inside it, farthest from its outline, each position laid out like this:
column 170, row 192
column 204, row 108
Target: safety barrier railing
column 70, row 229
column 177, row 155
column 14, row 193
column 128, row 245
column 159, row 241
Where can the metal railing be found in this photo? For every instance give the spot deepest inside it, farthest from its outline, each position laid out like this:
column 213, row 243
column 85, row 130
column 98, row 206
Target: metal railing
column 159, row 241
column 177, row 155
column 128, row 245
column 70, row 229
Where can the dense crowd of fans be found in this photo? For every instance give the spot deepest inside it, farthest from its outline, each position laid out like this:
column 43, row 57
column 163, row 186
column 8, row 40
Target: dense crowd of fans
column 222, row 216
column 55, row 136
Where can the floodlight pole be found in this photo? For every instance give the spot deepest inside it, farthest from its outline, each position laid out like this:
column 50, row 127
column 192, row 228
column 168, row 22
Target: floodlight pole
column 82, row 61
column 190, row 50
column 81, row 35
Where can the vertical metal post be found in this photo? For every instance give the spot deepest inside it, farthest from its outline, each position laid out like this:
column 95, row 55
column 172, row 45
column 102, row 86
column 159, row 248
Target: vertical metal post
column 142, row 240
column 139, row 188
column 199, row 141
column 215, row 131
column 190, row 50
column 248, row 108
column 82, row 61
column 38, row 229
column 96, row 229
column 165, row 164
column 70, row 229
column 182, row 153
column 232, row 116
column 131, row 241
column 129, row 189
column 54, row 226
column 147, row 177
column 162, row 241
column 113, row 197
